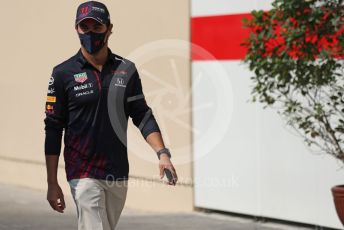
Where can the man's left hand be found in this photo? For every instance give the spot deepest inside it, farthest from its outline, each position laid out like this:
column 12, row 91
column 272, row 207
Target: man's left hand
column 165, row 162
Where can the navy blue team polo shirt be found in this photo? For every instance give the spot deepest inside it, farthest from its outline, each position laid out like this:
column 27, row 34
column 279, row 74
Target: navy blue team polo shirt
column 93, row 108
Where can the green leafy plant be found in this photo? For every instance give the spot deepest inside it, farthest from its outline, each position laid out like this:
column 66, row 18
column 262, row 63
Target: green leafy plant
column 295, row 51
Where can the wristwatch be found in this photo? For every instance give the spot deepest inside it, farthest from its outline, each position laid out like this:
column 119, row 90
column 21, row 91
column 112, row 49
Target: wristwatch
column 164, row 150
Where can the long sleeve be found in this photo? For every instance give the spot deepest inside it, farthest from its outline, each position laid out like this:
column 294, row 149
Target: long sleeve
column 141, row 114
column 55, row 110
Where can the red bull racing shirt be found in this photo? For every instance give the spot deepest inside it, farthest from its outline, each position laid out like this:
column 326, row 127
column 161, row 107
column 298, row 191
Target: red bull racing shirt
column 92, row 108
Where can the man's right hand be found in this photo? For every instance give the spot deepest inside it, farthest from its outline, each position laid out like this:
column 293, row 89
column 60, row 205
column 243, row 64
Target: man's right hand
column 55, row 197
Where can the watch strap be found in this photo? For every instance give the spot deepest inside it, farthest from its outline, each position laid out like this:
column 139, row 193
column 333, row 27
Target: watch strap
column 164, row 150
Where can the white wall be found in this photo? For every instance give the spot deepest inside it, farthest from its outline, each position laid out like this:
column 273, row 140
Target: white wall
column 267, row 168
column 220, row 7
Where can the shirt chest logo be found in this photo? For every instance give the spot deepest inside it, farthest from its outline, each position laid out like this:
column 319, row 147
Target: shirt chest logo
column 84, row 86
column 120, row 82
column 80, row 77
column 84, row 89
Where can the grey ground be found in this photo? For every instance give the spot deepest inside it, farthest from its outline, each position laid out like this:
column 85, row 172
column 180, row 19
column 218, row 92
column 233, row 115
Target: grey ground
column 23, row 208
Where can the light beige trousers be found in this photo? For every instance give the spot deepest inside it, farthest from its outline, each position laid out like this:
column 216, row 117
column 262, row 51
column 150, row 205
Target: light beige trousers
column 99, row 203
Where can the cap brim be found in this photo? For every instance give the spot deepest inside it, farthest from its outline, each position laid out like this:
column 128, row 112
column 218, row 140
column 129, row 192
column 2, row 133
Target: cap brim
column 90, row 17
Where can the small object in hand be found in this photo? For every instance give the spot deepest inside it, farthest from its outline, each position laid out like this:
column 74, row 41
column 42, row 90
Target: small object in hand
column 169, row 176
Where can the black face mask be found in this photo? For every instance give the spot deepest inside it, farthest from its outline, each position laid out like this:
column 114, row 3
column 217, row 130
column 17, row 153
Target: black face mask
column 92, row 41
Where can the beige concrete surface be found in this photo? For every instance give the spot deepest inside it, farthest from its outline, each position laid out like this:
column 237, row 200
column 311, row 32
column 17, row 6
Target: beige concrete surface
column 39, row 34
column 18, row 200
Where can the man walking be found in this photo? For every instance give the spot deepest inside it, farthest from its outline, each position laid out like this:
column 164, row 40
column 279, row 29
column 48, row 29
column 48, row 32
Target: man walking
column 91, row 96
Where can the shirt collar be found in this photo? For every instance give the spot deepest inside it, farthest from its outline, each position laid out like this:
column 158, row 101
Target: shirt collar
column 82, row 60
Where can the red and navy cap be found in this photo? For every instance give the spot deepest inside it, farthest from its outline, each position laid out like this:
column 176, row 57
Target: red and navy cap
column 93, row 9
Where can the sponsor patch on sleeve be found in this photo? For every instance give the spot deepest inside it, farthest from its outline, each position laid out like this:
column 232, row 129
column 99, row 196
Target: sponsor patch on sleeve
column 49, row 109
column 51, row 99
